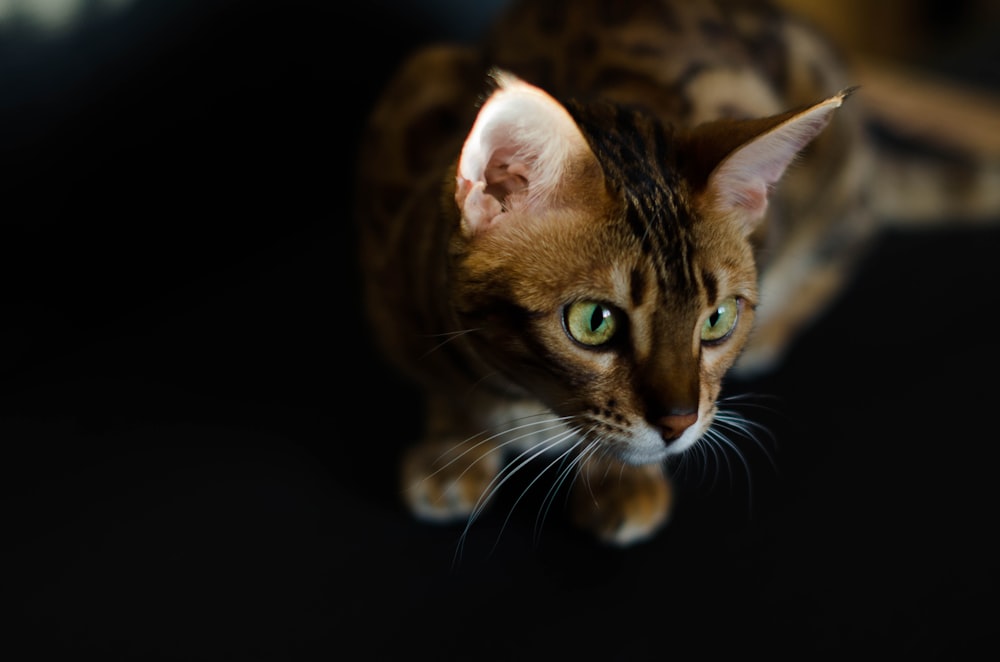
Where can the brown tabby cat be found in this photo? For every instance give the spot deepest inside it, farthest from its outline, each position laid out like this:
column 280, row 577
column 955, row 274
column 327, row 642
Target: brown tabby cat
column 570, row 235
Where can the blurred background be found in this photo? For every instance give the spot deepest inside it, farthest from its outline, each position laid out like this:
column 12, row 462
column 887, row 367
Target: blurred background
column 197, row 441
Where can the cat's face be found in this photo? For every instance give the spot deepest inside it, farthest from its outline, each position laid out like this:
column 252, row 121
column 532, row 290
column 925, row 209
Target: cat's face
column 591, row 315
column 604, row 262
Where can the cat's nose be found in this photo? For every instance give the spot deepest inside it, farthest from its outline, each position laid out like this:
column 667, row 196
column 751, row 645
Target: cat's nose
column 673, row 426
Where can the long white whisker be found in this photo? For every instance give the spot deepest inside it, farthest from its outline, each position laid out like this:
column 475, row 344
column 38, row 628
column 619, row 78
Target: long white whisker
column 743, row 401
column 595, row 449
column 564, row 473
column 704, row 456
column 554, row 423
column 554, row 442
column 709, row 448
column 719, row 441
column 722, row 439
column 749, row 429
column 508, row 472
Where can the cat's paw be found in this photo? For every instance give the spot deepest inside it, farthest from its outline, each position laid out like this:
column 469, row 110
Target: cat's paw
column 621, row 505
column 446, row 481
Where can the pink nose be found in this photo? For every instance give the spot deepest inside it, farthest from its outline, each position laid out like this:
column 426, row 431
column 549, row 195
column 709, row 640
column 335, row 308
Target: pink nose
column 673, row 426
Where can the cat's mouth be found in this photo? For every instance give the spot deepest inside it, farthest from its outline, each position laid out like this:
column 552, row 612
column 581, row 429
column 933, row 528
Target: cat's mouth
column 644, row 443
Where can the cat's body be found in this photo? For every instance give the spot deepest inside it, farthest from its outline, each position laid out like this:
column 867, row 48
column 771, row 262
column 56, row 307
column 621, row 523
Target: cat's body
column 574, row 278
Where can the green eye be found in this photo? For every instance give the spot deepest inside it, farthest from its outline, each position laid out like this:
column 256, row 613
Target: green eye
column 722, row 321
column 591, row 323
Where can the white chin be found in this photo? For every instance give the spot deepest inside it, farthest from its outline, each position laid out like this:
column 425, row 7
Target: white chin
column 644, row 448
column 686, row 441
column 648, row 447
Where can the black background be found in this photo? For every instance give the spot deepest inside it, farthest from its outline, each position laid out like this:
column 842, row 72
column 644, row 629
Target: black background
column 198, row 442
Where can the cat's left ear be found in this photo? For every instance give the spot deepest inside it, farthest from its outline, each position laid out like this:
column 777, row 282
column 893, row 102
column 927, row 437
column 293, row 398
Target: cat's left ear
column 733, row 164
column 517, row 154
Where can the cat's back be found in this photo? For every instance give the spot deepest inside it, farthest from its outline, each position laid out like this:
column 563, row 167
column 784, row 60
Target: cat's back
column 690, row 60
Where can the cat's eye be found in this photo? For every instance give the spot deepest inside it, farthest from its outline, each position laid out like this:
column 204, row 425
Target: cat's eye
column 591, row 323
column 721, row 322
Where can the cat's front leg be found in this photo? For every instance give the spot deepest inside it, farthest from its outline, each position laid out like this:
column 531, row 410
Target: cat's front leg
column 621, row 504
column 445, row 481
column 454, row 472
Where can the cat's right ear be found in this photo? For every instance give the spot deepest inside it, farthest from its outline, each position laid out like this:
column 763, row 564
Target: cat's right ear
column 516, row 155
column 734, row 164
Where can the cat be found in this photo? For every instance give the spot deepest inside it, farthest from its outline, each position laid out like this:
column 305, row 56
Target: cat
column 571, row 235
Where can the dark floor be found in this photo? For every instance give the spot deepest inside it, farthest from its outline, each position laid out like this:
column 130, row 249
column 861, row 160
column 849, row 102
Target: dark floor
column 182, row 362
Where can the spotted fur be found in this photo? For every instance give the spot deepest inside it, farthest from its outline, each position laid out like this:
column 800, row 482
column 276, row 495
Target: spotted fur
column 668, row 125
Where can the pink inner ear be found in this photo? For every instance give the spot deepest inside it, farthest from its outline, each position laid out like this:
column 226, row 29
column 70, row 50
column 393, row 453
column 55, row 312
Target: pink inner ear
column 742, row 182
column 479, row 207
column 505, row 176
column 515, row 155
column 752, row 196
column 745, row 178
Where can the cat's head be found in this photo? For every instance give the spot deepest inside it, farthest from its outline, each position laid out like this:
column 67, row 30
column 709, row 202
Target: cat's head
column 607, row 261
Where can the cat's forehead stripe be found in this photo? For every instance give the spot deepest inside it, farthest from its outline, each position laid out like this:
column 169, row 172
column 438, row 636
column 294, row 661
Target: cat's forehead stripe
column 711, row 286
column 634, row 151
column 637, row 287
column 663, row 241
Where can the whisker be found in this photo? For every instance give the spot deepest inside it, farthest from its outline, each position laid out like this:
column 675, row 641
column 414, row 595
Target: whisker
column 749, row 401
column 554, row 421
column 564, row 473
column 448, row 337
column 714, row 451
column 750, row 430
column 720, row 440
column 508, row 472
column 710, row 449
column 602, row 452
column 696, row 456
column 714, row 456
column 522, row 460
column 554, row 442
